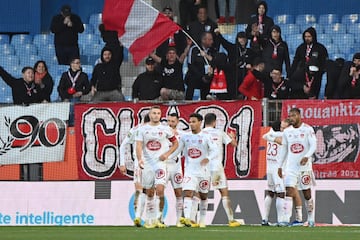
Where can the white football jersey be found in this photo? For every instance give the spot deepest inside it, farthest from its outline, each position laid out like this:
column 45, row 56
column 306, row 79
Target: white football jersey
column 129, row 139
column 220, row 138
column 177, row 159
column 298, row 143
column 155, row 142
column 195, row 148
column 273, row 152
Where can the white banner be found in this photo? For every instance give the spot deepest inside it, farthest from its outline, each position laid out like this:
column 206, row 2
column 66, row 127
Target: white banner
column 33, row 134
column 74, row 203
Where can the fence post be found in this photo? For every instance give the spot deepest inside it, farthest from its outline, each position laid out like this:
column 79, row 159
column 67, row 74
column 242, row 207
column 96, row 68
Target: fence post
column 265, row 111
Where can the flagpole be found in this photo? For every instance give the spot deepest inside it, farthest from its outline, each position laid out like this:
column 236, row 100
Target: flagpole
column 196, row 45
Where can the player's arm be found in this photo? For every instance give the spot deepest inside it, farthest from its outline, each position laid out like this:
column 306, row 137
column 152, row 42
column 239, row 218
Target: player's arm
column 229, row 138
column 312, row 146
column 122, row 154
column 282, row 155
column 139, row 153
column 213, row 152
column 177, row 150
column 174, row 146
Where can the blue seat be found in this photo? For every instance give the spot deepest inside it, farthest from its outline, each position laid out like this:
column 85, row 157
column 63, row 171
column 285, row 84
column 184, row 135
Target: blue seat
column 293, row 41
column 11, row 60
column 354, row 28
column 88, row 69
column 335, row 28
column 14, row 70
column 26, row 49
column 330, row 18
column 241, row 27
column 95, row 20
column 7, row 49
column 4, row 38
column 324, row 38
column 85, row 39
column 5, row 94
column 29, row 60
column 92, row 49
column 288, row 29
column 337, row 55
column 230, row 37
column 47, row 50
column 350, row 18
column 318, row 27
column 305, row 19
column 43, row 40
column 343, row 39
column 284, row 19
column 19, row 39
column 332, row 48
column 88, row 29
column 92, row 59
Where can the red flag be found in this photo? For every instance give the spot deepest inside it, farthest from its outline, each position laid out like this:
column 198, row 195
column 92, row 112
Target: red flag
column 141, row 28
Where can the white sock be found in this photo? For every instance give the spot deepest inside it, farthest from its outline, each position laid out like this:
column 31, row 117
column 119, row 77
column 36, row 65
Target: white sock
column 280, row 210
column 188, row 202
column 140, row 205
column 150, row 209
column 179, row 208
column 298, row 213
column 288, row 205
column 203, row 210
column 227, row 206
column 267, row 205
column 194, row 209
column 310, row 209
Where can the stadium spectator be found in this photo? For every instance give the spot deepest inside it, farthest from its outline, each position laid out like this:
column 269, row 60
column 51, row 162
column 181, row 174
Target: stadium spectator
column 349, row 81
column 106, row 79
column 66, row 27
column 259, row 26
column 278, row 88
column 24, row 90
column 308, row 67
column 177, row 40
column 333, row 88
column 201, row 25
column 252, row 87
column 43, row 78
column 198, row 76
column 240, row 57
column 188, row 10
column 148, row 84
column 230, row 5
column 276, row 52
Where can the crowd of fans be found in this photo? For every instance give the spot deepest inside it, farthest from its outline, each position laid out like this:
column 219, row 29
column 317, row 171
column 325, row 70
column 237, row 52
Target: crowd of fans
column 252, row 69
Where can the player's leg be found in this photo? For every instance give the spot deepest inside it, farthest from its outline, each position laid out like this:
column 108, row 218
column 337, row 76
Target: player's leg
column 305, row 184
column 291, row 179
column 268, row 198
column 194, row 209
column 160, row 181
column 176, row 178
column 148, row 178
column 203, row 187
column 280, row 199
column 189, row 186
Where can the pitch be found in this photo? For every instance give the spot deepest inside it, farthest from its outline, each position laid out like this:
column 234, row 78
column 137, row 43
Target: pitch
column 173, row 233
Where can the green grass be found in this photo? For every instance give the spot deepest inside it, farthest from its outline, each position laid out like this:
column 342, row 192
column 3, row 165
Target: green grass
column 173, row 233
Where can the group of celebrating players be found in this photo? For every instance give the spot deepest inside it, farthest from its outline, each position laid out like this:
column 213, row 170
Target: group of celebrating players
column 159, row 149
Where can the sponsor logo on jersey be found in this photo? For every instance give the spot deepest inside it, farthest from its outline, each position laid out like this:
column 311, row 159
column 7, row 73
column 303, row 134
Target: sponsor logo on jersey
column 194, row 153
column 153, row 145
column 296, row 148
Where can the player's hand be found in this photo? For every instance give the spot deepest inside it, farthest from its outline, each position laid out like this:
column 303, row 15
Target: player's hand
column 123, row 170
column 204, row 162
column 303, row 161
column 141, row 163
column 163, row 157
column 280, row 172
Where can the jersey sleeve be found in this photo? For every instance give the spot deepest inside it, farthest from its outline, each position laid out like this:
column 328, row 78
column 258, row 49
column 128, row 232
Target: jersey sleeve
column 226, row 138
column 312, row 142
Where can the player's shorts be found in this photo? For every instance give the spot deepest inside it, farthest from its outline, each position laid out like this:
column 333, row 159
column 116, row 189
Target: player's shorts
column 195, row 183
column 152, row 176
column 218, row 179
column 301, row 180
column 137, row 175
column 174, row 175
column 275, row 183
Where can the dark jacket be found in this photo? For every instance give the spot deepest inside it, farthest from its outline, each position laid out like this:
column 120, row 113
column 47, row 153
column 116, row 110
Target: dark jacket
column 147, row 86
column 81, row 84
column 22, row 92
column 280, row 90
column 64, row 35
column 106, row 75
column 179, row 41
column 112, row 42
column 46, row 87
column 346, row 89
column 196, row 29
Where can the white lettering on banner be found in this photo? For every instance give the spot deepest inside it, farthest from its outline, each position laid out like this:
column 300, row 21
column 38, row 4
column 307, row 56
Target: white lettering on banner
column 342, row 109
column 100, row 153
column 33, row 134
column 336, row 202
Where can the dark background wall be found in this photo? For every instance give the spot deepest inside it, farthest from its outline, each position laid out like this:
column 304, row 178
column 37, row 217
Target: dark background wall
column 34, row 16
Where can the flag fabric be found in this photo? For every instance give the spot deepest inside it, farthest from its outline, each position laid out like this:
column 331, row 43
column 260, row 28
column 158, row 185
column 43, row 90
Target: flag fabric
column 141, row 28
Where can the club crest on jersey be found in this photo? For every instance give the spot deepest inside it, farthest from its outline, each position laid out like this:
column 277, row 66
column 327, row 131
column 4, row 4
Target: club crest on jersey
column 204, row 184
column 194, row 153
column 302, row 135
column 160, row 134
column 200, row 141
column 306, row 179
column 296, row 148
column 153, row 145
